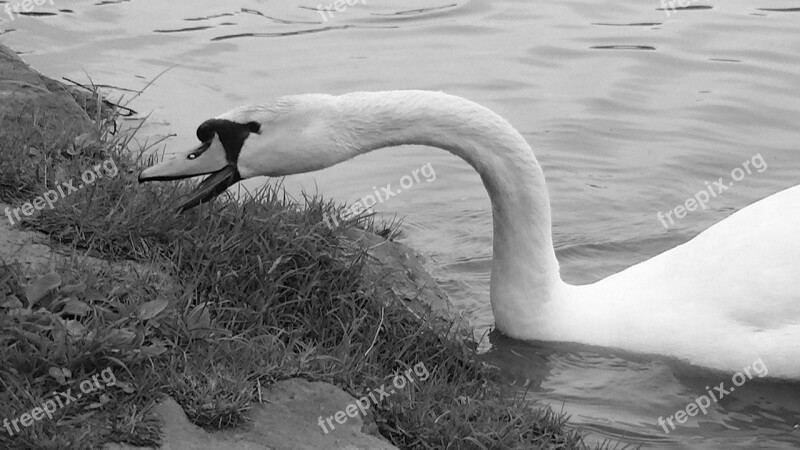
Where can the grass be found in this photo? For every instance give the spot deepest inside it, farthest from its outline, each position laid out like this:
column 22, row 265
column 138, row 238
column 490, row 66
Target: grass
column 225, row 299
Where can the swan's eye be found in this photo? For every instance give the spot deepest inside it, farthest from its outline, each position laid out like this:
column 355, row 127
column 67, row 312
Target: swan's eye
column 200, row 150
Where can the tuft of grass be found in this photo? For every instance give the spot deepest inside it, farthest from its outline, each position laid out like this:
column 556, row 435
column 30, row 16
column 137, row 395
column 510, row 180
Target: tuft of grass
column 222, row 301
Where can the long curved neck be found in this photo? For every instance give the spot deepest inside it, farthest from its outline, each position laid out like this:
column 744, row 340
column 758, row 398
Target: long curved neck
column 525, row 271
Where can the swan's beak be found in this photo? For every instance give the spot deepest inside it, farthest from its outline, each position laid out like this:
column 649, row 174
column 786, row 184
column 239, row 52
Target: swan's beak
column 209, row 158
column 211, row 187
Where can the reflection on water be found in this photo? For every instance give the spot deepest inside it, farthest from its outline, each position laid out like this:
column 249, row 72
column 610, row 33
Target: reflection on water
column 614, row 394
column 629, row 107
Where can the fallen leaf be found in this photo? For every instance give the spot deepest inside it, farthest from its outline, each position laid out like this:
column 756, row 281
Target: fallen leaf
column 120, row 337
column 198, row 318
column 11, row 302
column 126, row 387
column 60, row 374
column 72, row 289
column 74, row 328
column 41, row 287
column 153, row 350
column 76, row 308
column 152, row 309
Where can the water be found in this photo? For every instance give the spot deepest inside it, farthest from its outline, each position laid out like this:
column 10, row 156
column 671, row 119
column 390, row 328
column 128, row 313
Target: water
column 629, row 110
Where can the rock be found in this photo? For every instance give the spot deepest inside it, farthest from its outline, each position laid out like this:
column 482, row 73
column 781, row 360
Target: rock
column 28, row 98
column 34, row 254
column 30, row 103
column 24, row 247
column 398, row 268
column 287, row 419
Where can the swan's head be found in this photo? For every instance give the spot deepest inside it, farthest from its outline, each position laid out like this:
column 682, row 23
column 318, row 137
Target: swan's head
column 292, row 135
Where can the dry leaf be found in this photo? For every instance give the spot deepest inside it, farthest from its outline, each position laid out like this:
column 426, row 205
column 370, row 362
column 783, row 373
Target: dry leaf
column 152, row 309
column 76, row 308
column 41, row 287
column 11, row 302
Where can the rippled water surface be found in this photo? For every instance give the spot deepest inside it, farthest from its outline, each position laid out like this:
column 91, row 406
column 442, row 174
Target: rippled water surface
column 630, row 111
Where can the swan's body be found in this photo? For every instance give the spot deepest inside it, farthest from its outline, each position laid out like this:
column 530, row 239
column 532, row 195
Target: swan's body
column 724, row 299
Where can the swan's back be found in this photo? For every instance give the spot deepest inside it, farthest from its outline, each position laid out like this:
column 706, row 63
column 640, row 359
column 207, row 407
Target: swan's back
column 747, row 264
column 737, row 282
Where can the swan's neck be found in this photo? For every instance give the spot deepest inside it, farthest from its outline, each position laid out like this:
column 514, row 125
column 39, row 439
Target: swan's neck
column 524, row 270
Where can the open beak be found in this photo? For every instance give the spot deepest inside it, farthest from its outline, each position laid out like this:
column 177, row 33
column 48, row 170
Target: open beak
column 211, row 187
column 204, row 160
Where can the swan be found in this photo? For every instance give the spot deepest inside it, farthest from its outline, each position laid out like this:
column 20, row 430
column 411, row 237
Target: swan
column 726, row 298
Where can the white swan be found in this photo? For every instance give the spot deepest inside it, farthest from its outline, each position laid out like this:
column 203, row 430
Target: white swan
column 724, row 299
